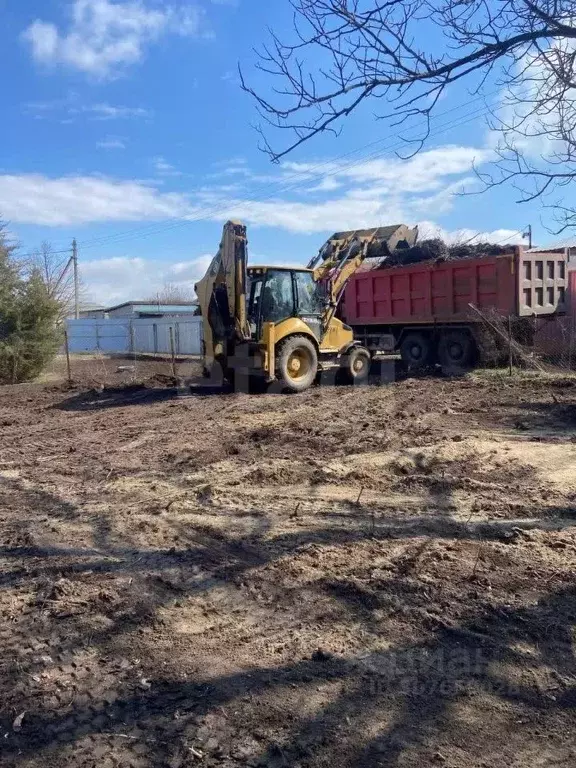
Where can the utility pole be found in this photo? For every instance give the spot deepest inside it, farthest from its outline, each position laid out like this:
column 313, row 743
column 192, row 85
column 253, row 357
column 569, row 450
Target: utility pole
column 76, row 283
column 528, row 234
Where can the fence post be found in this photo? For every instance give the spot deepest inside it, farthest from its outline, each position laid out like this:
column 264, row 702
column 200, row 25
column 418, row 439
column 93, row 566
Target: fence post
column 67, row 347
column 133, row 346
column 571, row 340
column 172, row 353
column 97, row 331
column 510, row 344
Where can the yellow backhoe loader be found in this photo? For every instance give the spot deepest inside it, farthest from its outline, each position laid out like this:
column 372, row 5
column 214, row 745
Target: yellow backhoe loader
column 279, row 323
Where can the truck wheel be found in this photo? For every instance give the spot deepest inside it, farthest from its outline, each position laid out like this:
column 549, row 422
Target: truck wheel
column 355, row 366
column 296, row 363
column 456, row 352
column 416, row 351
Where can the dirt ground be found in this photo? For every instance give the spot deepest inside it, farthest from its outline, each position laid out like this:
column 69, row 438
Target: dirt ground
column 100, row 370
column 359, row 577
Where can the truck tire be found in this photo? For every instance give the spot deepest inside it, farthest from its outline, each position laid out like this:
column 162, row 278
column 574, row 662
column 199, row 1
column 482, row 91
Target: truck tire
column 457, row 352
column 416, row 351
column 296, row 363
column 355, row 366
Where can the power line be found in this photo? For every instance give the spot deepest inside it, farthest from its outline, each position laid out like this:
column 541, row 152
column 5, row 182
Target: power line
column 270, row 191
column 38, row 252
column 223, row 204
column 518, row 232
column 571, row 239
column 284, row 186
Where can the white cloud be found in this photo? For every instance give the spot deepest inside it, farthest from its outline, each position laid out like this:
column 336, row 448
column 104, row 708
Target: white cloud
column 164, row 168
column 103, row 36
column 305, row 218
column 113, row 112
column 367, row 191
column 125, row 278
column 429, row 229
column 37, row 199
column 345, row 213
column 232, row 77
column 368, row 194
column 44, row 40
column 328, row 184
column 71, row 108
column 423, row 172
column 533, row 106
column 111, row 142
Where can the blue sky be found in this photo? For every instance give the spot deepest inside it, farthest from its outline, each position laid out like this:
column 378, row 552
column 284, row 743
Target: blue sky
column 124, row 126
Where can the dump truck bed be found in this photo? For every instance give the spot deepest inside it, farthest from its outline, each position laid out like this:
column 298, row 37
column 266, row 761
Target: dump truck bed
column 520, row 283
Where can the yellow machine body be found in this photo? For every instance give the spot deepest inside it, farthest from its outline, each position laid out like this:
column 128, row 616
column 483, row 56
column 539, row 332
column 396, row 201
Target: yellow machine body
column 280, row 322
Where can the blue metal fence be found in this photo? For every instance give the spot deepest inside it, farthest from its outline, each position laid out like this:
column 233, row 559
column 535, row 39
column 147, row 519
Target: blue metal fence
column 146, row 335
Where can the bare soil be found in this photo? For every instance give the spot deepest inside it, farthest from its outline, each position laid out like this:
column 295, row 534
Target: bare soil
column 359, row 577
column 106, row 371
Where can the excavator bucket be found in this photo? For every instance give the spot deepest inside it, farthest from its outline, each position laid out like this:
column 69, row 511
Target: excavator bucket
column 376, row 243
column 222, row 294
column 344, row 253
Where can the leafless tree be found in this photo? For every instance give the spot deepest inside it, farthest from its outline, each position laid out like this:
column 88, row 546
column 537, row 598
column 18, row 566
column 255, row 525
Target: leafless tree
column 58, row 276
column 173, row 293
column 407, row 53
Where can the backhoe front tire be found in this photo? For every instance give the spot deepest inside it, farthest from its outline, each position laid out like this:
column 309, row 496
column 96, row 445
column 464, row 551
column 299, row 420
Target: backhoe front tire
column 296, row 363
column 355, row 366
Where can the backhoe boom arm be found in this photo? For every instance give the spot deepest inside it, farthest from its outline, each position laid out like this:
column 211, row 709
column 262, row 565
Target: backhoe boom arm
column 343, row 254
column 222, row 294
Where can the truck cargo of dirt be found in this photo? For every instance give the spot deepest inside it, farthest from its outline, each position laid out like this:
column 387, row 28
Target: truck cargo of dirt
column 517, row 283
column 429, row 308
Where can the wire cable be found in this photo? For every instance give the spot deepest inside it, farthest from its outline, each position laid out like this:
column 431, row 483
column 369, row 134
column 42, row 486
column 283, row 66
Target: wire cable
column 286, row 185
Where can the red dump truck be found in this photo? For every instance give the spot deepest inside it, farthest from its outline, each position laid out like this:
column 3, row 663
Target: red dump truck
column 439, row 311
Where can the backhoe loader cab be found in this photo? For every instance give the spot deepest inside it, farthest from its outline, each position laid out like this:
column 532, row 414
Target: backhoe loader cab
column 278, row 293
column 279, row 323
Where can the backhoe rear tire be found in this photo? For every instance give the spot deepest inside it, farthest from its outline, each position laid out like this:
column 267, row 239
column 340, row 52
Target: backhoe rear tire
column 296, row 363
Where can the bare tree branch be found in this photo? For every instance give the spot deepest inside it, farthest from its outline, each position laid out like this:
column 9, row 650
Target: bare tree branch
column 173, row 293
column 407, row 52
column 57, row 275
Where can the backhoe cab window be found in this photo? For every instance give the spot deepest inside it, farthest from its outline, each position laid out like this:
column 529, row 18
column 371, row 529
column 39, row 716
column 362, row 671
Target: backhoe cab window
column 254, row 293
column 277, row 300
column 282, row 294
column 308, row 298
